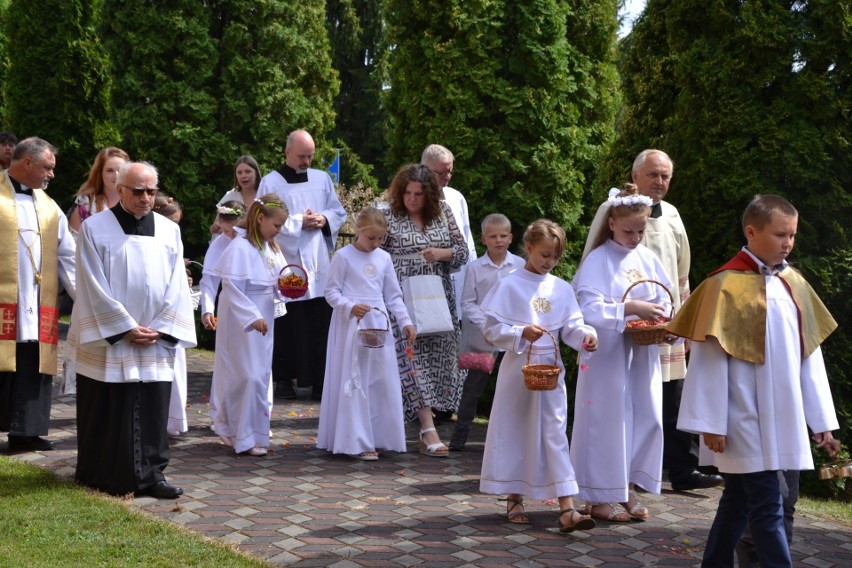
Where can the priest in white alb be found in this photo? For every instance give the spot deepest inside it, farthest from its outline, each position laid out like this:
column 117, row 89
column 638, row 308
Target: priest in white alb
column 38, row 254
column 133, row 309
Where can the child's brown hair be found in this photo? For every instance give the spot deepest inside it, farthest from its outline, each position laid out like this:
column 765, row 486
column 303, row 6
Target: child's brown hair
column 759, row 211
column 267, row 206
column 545, row 229
column 370, row 217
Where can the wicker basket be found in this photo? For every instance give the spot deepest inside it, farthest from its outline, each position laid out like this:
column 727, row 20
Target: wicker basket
column 651, row 334
column 836, row 469
column 542, row 377
column 374, row 338
column 291, row 291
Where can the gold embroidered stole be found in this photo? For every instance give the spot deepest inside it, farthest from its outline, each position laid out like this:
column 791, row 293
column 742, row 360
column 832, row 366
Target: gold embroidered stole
column 48, row 317
column 731, row 306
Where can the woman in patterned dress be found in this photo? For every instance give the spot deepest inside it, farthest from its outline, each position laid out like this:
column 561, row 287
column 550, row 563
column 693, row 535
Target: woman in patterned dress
column 423, row 238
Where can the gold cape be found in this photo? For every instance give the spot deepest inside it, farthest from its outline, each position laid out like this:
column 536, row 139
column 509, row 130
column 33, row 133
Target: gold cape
column 48, row 317
column 730, row 305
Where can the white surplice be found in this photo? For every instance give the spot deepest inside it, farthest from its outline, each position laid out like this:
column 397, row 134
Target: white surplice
column 361, row 406
column 310, row 249
column 526, row 448
column 29, row 241
column 125, row 281
column 209, row 284
column 241, row 393
column 617, row 437
column 666, row 237
column 763, row 410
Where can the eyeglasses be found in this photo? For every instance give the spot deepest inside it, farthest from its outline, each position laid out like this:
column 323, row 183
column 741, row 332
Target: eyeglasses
column 447, row 173
column 140, row 191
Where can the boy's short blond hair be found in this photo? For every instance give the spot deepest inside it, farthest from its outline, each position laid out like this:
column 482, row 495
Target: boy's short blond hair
column 758, row 213
column 497, row 219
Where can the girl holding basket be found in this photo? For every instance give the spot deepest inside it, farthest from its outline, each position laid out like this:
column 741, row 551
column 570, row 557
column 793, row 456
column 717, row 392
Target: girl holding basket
column 526, row 450
column 242, row 367
column 361, row 408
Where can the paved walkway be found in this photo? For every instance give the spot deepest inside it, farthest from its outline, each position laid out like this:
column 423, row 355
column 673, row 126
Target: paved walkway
column 303, row 507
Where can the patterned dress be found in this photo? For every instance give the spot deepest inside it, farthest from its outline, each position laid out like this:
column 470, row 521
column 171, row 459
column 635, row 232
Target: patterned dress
column 432, row 378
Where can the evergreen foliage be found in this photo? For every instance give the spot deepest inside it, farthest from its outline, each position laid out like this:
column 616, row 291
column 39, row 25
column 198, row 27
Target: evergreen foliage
column 515, row 90
column 750, row 97
column 165, row 66
column 201, row 83
column 357, row 39
column 59, row 86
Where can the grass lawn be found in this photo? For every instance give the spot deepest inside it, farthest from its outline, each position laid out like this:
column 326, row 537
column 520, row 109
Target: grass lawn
column 48, row 522
column 837, row 511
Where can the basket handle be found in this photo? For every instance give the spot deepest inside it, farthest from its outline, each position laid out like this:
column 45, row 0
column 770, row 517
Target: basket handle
column 555, row 347
column 660, row 284
column 299, row 266
column 381, row 311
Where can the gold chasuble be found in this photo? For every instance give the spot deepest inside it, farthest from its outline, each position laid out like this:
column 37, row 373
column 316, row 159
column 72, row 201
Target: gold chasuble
column 48, row 316
column 730, row 305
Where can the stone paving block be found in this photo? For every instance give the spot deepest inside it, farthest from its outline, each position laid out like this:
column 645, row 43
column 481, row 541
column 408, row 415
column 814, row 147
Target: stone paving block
column 306, row 507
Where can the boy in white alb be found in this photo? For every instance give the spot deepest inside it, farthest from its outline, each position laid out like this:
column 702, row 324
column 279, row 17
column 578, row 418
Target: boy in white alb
column 756, row 380
column 482, row 274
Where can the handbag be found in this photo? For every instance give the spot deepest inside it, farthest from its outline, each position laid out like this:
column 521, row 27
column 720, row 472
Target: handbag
column 426, row 301
column 475, row 352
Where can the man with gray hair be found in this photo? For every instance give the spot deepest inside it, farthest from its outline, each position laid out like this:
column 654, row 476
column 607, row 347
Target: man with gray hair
column 665, row 235
column 441, row 161
column 133, row 309
column 38, row 253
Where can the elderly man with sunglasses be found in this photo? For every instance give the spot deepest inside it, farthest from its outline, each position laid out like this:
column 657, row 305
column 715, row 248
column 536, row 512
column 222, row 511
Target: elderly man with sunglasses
column 133, row 309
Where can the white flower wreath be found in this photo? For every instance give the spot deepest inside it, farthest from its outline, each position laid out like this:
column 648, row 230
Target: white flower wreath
column 615, row 199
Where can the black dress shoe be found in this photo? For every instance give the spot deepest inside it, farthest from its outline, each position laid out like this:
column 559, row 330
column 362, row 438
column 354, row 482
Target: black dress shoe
column 697, row 480
column 29, row 444
column 162, row 490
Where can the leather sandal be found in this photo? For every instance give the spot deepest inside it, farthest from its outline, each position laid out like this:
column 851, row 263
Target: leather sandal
column 438, row 450
column 367, row 456
column 613, row 515
column 519, row 517
column 585, row 523
column 634, row 508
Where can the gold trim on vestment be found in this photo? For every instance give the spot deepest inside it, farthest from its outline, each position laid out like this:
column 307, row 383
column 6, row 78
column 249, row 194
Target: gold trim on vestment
column 731, row 306
column 48, row 223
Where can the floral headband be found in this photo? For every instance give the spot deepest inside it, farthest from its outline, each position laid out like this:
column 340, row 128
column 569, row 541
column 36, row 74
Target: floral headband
column 615, row 199
column 269, row 203
column 222, row 210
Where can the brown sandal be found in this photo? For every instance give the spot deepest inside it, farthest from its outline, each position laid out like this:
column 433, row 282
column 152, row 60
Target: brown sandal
column 517, row 517
column 585, row 523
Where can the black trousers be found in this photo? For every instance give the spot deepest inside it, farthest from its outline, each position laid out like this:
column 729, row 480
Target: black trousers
column 300, row 344
column 25, row 395
column 680, row 449
column 122, row 442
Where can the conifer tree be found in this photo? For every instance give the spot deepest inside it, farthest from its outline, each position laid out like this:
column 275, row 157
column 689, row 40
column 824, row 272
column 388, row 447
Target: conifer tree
column 202, row 82
column 747, row 98
column 510, row 89
column 356, row 36
column 58, row 87
column 276, row 76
